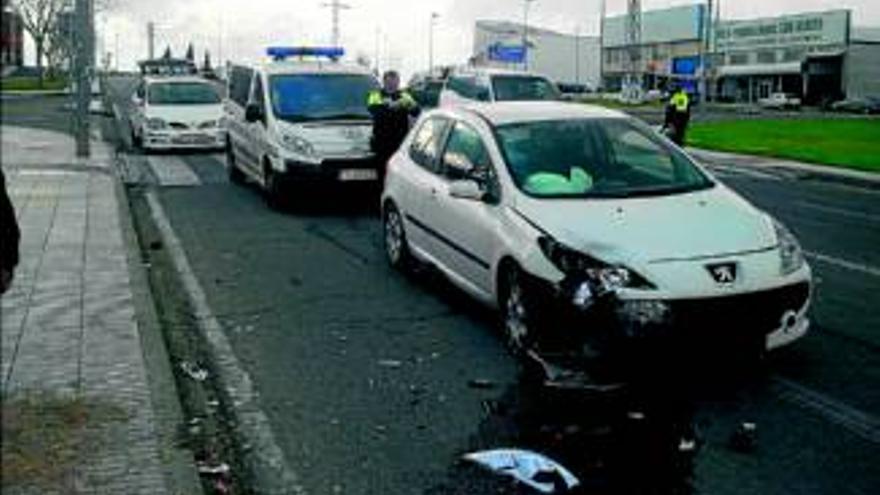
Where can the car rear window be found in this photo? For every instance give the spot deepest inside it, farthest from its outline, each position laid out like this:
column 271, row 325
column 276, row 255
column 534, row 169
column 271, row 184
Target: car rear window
column 523, row 88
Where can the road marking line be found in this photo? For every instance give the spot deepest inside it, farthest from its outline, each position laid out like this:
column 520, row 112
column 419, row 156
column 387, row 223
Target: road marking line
column 861, row 423
column 732, row 171
column 172, row 171
column 849, row 265
column 266, row 460
column 841, row 211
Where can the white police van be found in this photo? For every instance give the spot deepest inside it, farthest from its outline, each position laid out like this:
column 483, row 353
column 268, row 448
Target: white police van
column 299, row 120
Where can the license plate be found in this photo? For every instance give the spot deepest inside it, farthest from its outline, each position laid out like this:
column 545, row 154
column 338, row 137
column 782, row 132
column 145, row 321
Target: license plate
column 192, row 139
column 358, row 175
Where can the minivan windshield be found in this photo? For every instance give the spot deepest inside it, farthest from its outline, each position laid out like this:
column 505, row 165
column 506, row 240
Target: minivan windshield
column 523, row 88
column 595, row 158
column 182, row 93
column 305, row 97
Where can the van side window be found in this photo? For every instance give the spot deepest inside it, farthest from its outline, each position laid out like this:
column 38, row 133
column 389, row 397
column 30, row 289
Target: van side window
column 240, row 85
column 427, row 143
column 258, row 96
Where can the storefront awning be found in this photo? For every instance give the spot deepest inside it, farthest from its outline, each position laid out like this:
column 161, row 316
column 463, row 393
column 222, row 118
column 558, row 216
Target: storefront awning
column 760, row 69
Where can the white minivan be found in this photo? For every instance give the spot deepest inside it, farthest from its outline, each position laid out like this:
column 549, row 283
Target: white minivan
column 299, row 121
column 179, row 112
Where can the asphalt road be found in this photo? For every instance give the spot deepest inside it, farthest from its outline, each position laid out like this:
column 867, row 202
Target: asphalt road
column 364, row 373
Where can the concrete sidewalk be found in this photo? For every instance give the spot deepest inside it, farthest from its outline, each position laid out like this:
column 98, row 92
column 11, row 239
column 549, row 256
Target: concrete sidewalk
column 839, row 174
column 69, row 325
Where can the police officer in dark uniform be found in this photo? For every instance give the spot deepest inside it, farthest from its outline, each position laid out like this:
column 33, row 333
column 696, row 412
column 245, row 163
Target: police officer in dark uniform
column 678, row 115
column 9, row 238
column 391, row 109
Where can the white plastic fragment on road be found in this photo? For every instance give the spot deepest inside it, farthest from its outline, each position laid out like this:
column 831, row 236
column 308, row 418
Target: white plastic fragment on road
column 529, row 468
column 193, row 371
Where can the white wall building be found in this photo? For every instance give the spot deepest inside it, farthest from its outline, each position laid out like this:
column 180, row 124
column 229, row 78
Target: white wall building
column 564, row 58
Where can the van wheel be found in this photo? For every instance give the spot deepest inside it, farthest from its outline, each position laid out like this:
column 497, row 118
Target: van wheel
column 516, row 310
column 396, row 248
column 273, row 188
column 236, row 176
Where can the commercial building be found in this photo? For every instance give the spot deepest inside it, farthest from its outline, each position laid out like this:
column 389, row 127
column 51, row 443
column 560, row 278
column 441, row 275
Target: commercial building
column 11, row 38
column 817, row 56
column 564, row 58
column 670, row 47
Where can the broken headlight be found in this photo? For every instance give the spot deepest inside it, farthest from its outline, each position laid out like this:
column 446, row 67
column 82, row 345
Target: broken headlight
column 588, row 277
column 790, row 253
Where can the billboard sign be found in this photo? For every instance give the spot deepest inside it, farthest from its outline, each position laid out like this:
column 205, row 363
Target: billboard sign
column 814, row 29
column 515, row 54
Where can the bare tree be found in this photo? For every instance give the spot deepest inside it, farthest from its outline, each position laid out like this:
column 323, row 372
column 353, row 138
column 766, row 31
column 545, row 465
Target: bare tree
column 38, row 18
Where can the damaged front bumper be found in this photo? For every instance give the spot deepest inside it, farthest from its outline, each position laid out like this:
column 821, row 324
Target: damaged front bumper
column 587, row 331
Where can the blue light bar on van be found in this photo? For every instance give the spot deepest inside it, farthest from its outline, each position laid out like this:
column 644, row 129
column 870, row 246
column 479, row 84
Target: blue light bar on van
column 283, row 52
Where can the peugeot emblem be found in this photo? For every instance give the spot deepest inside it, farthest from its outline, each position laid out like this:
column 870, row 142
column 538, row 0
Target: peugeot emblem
column 723, row 273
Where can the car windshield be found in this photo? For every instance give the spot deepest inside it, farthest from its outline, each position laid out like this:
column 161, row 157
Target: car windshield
column 304, row 97
column 523, row 88
column 182, row 93
column 595, row 158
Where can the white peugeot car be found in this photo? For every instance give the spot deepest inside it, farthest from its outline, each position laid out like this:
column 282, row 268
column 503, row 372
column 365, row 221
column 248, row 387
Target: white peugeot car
column 581, row 223
column 177, row 112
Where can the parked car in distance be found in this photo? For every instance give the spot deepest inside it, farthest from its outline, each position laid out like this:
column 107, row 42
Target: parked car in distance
column 426, row 89
column 177, row 112
column 780, row 101
column 474, row 85
column 866, row 105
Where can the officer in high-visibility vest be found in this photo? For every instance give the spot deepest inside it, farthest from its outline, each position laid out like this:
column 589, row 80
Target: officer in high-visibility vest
column 391, row 109
column 678, row 114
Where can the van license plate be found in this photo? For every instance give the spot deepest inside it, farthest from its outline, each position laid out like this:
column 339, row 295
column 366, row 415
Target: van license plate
column 358, row 175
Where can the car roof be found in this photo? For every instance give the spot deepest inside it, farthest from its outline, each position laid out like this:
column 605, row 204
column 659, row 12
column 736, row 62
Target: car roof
column 313, row 67
column 495, row 71
column 175, row 79
column 510, row 112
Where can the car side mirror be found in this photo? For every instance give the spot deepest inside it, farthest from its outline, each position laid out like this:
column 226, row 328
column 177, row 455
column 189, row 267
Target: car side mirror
column 467, row 189
column 253, row 113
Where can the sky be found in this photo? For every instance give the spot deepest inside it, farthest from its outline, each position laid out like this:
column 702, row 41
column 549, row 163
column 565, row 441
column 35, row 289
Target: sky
column 396, row 30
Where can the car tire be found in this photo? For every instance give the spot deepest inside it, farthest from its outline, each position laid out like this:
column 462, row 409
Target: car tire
column 273, row 189
column 236, row 176
column 394, row 239
column 517, row 312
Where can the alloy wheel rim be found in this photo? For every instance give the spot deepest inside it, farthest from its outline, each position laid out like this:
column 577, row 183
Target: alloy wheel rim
column 517, row 330
column 393, row 236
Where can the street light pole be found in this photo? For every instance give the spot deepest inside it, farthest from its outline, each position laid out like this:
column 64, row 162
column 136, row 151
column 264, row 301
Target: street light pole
column 85, row 56
column 525, row 40
column 432, row 21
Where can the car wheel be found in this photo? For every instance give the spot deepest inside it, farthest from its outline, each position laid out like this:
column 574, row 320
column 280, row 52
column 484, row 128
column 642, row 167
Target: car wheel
column 236, row 176
column 396, row 248
column 516, row 310
column 273, row 189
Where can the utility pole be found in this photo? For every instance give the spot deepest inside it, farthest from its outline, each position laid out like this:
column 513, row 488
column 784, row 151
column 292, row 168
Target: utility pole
column 601, row 44
column 151, row 40
column 634, row 42
column 431, row 24
column 577, row 54
column 85, row 62
column 336, row 6
column 525, row 40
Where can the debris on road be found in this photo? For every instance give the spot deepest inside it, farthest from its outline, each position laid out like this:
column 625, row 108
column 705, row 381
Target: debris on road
column 390, row 363
column 529, row 468
column 219, row 469
column 481, row 383
column 193, row 371
column 745, row 438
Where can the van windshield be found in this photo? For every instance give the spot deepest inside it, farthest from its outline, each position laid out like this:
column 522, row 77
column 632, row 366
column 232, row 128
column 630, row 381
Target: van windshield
column 306, row 97
column 523, row 88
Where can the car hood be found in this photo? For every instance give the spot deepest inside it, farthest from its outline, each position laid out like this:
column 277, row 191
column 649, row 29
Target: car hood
column 344, row 138
column 191, row 115
column 714, row 222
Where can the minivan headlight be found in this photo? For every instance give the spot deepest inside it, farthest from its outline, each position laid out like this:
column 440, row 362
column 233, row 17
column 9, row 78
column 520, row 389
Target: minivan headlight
column 791, row 257
column 297, row 145
column 156, row 124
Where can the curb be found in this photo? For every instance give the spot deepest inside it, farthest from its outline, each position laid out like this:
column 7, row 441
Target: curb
column 802, row 171
column 178, row 463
